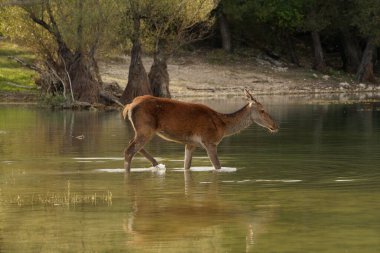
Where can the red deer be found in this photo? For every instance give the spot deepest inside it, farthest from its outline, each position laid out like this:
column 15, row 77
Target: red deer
column 194, row 125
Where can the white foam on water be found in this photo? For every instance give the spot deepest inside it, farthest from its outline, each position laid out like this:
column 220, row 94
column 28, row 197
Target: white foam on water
column 99, row 158
column 205, row 169
column 160, row 169
column 243, row 181
column 103, row 159
column 344, row 180
column 110, row 170
column 279, row 180
column 291, row 181
column 160, row 166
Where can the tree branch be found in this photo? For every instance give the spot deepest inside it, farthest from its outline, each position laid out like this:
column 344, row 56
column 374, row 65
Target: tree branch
column 25, row 64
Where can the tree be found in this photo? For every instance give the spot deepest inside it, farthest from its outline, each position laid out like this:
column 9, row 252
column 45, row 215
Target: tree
column 286, row 16
column 367, row 19
column 171, row 25
column 158, row 74
column 66, row 36
column 224, row 27
column 164, row 26
column 318, row 15
column 138, row 82
column 348, row 35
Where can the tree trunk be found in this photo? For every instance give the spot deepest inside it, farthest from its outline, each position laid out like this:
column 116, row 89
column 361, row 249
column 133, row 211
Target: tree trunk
column 138, row 82
column 71, row 75
column 291, row 49
column 224, row 31
column 85, row 87
column 158, row 74
column 74, row 70
column 319, row 61
column 351, row 52
column 365, row 70
column 82, row 70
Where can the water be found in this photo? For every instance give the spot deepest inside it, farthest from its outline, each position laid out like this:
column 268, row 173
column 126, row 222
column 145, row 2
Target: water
column 313, row 187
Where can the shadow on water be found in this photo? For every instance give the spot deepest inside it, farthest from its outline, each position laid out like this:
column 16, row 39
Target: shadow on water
column 313, row 187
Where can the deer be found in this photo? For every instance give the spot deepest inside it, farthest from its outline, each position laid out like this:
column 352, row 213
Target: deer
column 191, row 124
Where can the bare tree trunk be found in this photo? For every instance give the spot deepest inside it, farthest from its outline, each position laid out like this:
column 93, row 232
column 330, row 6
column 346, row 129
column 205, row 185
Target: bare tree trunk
column 365, row 70
column 351, row 52
column 291, row 49
column 158, row 74
column 138, row 82
column 83, row 80
column 319, row 61
column 81, row 68
column 224, row 31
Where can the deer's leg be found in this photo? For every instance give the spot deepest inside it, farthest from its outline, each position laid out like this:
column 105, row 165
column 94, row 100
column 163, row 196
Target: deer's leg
column 212, row 154
column 188, row 155
column 148, row 156
column 135, row 146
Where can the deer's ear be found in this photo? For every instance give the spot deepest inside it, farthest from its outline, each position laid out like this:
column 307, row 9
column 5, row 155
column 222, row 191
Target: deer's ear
column 248, row 95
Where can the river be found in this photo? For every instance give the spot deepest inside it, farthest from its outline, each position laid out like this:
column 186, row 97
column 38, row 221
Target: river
column 312, row 187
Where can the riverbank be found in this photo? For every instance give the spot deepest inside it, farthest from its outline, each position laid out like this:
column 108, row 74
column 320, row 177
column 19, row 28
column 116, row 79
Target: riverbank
column 215, row 75
column 200, row 76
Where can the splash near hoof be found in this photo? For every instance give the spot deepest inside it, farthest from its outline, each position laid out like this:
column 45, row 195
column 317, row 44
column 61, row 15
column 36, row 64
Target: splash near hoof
column 160, row 166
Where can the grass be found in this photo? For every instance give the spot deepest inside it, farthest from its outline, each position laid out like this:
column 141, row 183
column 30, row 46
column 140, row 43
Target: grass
column 13, row 76
column 67, row 198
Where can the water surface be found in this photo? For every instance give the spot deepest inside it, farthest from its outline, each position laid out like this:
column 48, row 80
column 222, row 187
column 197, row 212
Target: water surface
column 313, row 187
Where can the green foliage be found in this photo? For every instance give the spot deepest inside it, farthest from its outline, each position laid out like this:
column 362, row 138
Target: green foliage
column 170, row 20
column 367, row 18
column 83, row 24
column 53, row 101
column 14, row 77
column 319, row 14
column 283, row 14
column 107, row 25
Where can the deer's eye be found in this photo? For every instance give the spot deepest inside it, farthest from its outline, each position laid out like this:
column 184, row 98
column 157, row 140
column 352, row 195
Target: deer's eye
column 262, row 111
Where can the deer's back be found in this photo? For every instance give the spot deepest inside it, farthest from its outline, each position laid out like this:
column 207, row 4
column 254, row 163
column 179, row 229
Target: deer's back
column 176, row 120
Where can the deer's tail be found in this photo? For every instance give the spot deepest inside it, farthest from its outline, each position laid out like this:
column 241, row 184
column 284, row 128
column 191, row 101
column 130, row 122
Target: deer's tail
column 125, row 111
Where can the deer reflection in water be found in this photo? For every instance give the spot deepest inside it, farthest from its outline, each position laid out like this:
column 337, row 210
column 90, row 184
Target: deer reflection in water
column 199, row 217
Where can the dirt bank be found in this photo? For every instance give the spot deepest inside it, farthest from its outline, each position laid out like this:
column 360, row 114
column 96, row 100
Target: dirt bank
column 196, row 77
column 24, row 97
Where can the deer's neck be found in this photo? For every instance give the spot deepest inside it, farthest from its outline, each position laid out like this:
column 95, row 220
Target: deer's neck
column 237, row 121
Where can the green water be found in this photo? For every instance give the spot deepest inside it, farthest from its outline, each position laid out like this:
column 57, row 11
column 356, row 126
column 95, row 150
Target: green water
column 313, row 187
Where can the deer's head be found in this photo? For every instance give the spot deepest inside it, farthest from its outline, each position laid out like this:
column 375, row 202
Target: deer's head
column 259, row 115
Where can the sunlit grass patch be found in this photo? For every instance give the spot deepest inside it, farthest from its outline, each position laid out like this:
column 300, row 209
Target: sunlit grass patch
column 13, row 76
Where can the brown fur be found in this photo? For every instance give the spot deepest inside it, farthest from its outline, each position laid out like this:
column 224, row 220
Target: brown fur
column 188, row 123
